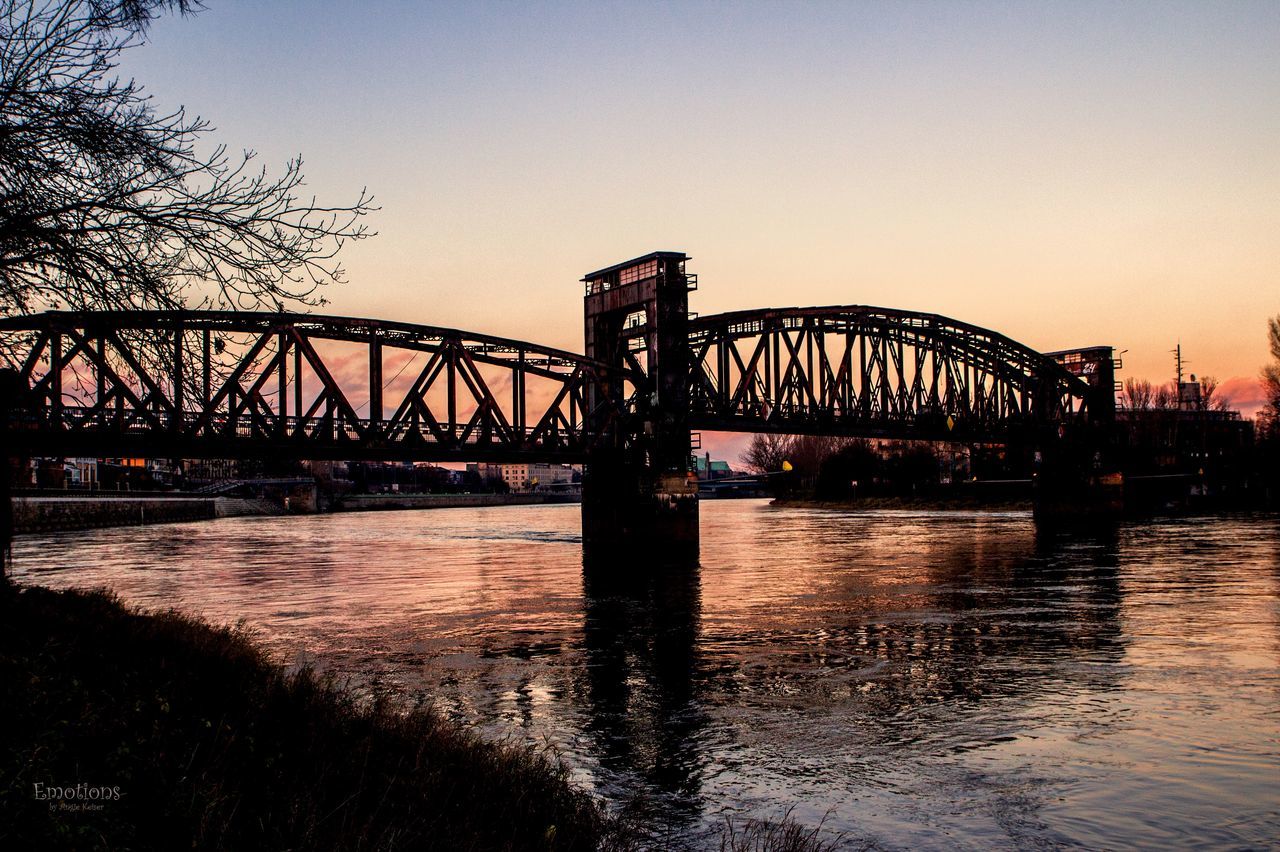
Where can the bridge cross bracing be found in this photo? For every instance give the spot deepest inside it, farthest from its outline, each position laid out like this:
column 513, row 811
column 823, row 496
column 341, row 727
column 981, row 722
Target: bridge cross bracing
column 253, row 384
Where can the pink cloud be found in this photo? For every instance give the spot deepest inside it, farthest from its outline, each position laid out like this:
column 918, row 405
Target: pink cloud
column 1244, row 393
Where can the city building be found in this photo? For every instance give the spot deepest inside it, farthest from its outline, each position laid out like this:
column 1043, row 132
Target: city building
column 526, row 477
column 708, row 469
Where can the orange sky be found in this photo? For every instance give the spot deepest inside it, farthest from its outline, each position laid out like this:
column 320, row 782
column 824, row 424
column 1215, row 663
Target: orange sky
column 1067, row 174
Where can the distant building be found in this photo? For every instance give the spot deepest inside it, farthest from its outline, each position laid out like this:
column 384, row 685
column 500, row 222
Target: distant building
column 708, row 469
column 526, row 477
column 204, row 471
column 328, row 471
column 1189, row 395
column 485, row 470
column 83, row 471
column 1169, row 441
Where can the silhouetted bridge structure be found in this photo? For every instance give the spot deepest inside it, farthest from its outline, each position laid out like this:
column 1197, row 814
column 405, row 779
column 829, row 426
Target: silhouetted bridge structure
column 219, row 384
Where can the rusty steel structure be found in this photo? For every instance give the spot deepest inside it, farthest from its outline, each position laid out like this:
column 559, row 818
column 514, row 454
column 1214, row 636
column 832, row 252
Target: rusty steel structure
column 875, row 372
column 637, row 483
column 168, row 381
column 215, row 384
column 853, row 371
column 243, row 384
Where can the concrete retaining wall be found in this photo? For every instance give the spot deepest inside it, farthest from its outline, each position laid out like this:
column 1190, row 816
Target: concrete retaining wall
column 235, row 507
column 43, row 514
column 47, row 514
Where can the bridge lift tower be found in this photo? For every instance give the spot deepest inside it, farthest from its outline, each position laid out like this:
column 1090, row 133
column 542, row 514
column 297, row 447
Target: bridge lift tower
column 637, row 486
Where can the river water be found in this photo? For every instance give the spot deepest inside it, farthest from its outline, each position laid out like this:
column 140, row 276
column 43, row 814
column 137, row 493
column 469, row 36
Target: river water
column 903, row 679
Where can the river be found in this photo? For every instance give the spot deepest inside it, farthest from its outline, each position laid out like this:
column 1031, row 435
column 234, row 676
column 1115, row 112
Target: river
column 904, row 679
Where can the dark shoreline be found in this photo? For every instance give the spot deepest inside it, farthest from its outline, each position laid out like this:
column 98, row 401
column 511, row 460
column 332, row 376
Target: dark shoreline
column 1138, row 510
column 155, row 730
column 41, row 513
column 908, row 503
column 201, row 742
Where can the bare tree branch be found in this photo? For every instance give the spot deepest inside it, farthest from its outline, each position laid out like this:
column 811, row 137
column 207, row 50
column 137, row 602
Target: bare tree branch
column 1138, row 394
column 108, row 202
column 765, row 453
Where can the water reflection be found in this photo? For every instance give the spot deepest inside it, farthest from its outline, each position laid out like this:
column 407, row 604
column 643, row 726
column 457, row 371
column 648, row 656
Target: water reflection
column 890, row 639
column 640, row 636
column 918, row 679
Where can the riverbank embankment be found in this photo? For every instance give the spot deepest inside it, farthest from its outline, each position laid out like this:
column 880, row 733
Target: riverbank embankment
column 157, row 731
column 392, row 502
column 50, row 514
column 921, row 504
column 47, row 513
column 125, row 729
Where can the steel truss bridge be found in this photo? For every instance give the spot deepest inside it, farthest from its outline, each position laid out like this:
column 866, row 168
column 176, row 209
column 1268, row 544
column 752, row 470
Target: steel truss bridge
column 249, row 384
column 872, row 372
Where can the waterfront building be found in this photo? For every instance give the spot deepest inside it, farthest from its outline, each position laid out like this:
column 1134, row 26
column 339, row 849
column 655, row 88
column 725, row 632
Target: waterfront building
column 526, row 477
column 708, row 468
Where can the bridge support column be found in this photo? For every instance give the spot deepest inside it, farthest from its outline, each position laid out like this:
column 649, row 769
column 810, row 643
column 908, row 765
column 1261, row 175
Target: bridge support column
column 1071, row 482
column 622, row 512
column 1077, row 473
column 637, row 488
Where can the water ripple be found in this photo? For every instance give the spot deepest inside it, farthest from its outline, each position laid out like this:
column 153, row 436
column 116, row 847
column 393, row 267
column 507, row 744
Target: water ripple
column 915, row 679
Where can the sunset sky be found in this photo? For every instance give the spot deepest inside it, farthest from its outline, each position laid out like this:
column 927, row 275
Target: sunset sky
column 1067, row 174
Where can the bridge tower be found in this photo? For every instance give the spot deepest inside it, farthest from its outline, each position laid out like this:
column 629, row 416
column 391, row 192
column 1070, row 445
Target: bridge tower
column 637, row 486
column 1078, row 463
column 1096, row 366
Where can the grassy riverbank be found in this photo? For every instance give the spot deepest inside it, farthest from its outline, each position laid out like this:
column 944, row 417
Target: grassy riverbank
column 162, row 732
column 208, row 745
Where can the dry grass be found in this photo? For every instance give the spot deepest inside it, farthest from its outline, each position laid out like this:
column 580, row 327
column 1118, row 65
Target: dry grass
column 784, row 835
column 214, row 748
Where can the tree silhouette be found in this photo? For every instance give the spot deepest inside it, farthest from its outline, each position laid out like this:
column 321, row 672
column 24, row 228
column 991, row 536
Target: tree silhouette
column 1139, row 395
column 108, row 202
column 1269, row 420
column 765, row 453
column 1210, row 399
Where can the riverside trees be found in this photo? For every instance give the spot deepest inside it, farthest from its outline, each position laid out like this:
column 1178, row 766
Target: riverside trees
column 827, row 467
column 1270, row 416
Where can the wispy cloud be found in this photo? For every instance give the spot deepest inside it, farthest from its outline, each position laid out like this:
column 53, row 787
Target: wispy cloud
column 1244, row 393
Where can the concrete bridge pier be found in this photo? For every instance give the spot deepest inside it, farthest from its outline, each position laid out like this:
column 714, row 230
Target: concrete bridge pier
column 621, row 516
column 1077, row 474
column 637, row 488
column 1077, row 470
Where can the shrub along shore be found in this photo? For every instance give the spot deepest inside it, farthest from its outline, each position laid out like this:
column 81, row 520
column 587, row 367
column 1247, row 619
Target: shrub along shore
column 157, row 731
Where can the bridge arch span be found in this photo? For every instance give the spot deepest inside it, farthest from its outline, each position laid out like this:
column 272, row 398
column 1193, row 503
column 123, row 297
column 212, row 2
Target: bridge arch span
column 234, row 383
column 869, row 371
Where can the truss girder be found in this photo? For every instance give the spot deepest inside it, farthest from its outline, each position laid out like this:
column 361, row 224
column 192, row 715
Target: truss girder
column 163, row 381
column 195, row 383
column 858, row 370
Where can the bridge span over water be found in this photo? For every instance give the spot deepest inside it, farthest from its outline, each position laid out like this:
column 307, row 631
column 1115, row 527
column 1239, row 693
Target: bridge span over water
column 283, row 385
